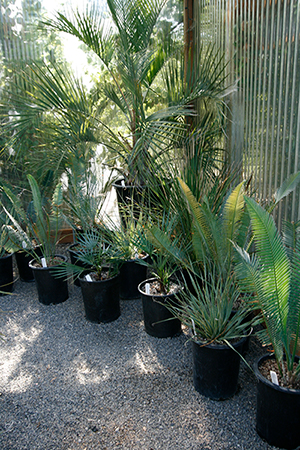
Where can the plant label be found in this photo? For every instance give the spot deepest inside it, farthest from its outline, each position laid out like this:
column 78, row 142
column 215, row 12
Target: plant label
column 147, row 288
column 44, row 263
column 274, row 377
column 88, row 278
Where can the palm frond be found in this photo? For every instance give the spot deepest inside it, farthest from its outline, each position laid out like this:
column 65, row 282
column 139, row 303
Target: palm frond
column 291, row 239
column 206, row 225
column 135, row 21
column 232, row 214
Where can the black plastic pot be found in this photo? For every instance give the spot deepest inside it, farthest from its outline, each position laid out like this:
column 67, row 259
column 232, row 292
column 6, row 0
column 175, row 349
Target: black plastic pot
column 277, row 411
column 131, row 275
column 23, row 259
column 101, row 299
column 6, row 274
column 216, row 369
column 50, row 289
column 159, row 321
column 74, row 260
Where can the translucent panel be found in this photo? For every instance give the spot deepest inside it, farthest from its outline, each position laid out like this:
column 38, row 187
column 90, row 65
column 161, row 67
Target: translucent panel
column 261, row 42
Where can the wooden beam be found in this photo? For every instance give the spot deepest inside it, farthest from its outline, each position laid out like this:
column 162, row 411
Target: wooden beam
column 188, row 18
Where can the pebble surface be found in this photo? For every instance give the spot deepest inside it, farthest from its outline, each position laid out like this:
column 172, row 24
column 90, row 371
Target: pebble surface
column 69, row 384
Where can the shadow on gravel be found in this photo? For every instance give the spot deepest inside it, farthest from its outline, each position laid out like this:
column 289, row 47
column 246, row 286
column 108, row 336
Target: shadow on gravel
column 68, row 384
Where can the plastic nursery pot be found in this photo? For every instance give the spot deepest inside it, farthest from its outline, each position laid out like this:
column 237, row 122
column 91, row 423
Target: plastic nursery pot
column 6, row 274
column 101, row 299
column 277, row 411
column 216, row 369
column 75, row 261
column 23, row 259
column 131, row 275
column 159, row 321
column 50, row 289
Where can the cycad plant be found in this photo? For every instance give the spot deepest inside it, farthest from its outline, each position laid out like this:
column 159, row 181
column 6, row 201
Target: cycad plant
column 211, row 232
column 40, row 225
column 211, row 293
column 273, row 275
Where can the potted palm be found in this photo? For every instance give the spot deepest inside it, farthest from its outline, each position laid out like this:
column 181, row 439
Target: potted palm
column 156, row 292
column 84, row 200
column 41, row 237
column 97, row 265
column 273, row 274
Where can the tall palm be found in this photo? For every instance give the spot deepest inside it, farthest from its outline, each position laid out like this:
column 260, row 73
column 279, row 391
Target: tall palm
column 143, row 83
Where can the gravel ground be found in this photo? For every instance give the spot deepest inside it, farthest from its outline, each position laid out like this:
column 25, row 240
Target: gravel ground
column 68, row 384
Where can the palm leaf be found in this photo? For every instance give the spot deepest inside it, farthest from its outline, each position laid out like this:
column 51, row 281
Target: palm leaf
column 287, row 187
column 274, row 275
column 206, row 225
column 232, row 213
column 291, row 239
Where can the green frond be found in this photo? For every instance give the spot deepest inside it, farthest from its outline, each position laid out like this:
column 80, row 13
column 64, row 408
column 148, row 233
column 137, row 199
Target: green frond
column 207, row 225
column 287, row 187
column 273, row 277
column 291, row 239
column 164, row 242
column 247, row 271
column 232, row 213
column 135, row 21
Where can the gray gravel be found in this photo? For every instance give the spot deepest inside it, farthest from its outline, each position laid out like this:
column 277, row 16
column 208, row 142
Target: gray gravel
column 69, row 384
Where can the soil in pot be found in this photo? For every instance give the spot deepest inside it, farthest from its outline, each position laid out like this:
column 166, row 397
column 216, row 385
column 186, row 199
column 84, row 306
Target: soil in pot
column 131, row 275
column 277, row 409
column 158, row 320
column 6, row 274
column 50, row 289
column 101, row 299
column 216, row 368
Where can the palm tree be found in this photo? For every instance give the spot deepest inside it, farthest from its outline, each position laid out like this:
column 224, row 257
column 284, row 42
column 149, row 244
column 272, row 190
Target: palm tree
column 141, row 82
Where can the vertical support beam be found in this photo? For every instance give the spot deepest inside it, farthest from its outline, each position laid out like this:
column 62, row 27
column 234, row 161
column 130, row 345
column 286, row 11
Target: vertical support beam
column 188, row 18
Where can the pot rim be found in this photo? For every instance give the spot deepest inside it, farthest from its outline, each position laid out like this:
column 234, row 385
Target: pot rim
column 135, row 259
column 264, row 380
column 7, row 256
column 118, row 184
column 218, row 346
column 81, row 279
column 30, row 264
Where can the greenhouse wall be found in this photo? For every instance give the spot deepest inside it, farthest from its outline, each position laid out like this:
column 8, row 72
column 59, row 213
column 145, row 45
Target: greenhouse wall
column 261, row 42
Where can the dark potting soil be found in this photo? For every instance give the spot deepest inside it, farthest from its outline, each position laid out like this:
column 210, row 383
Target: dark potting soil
column 50, row 262
column 155, row 288
column 269, row 365
column 105, row 275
